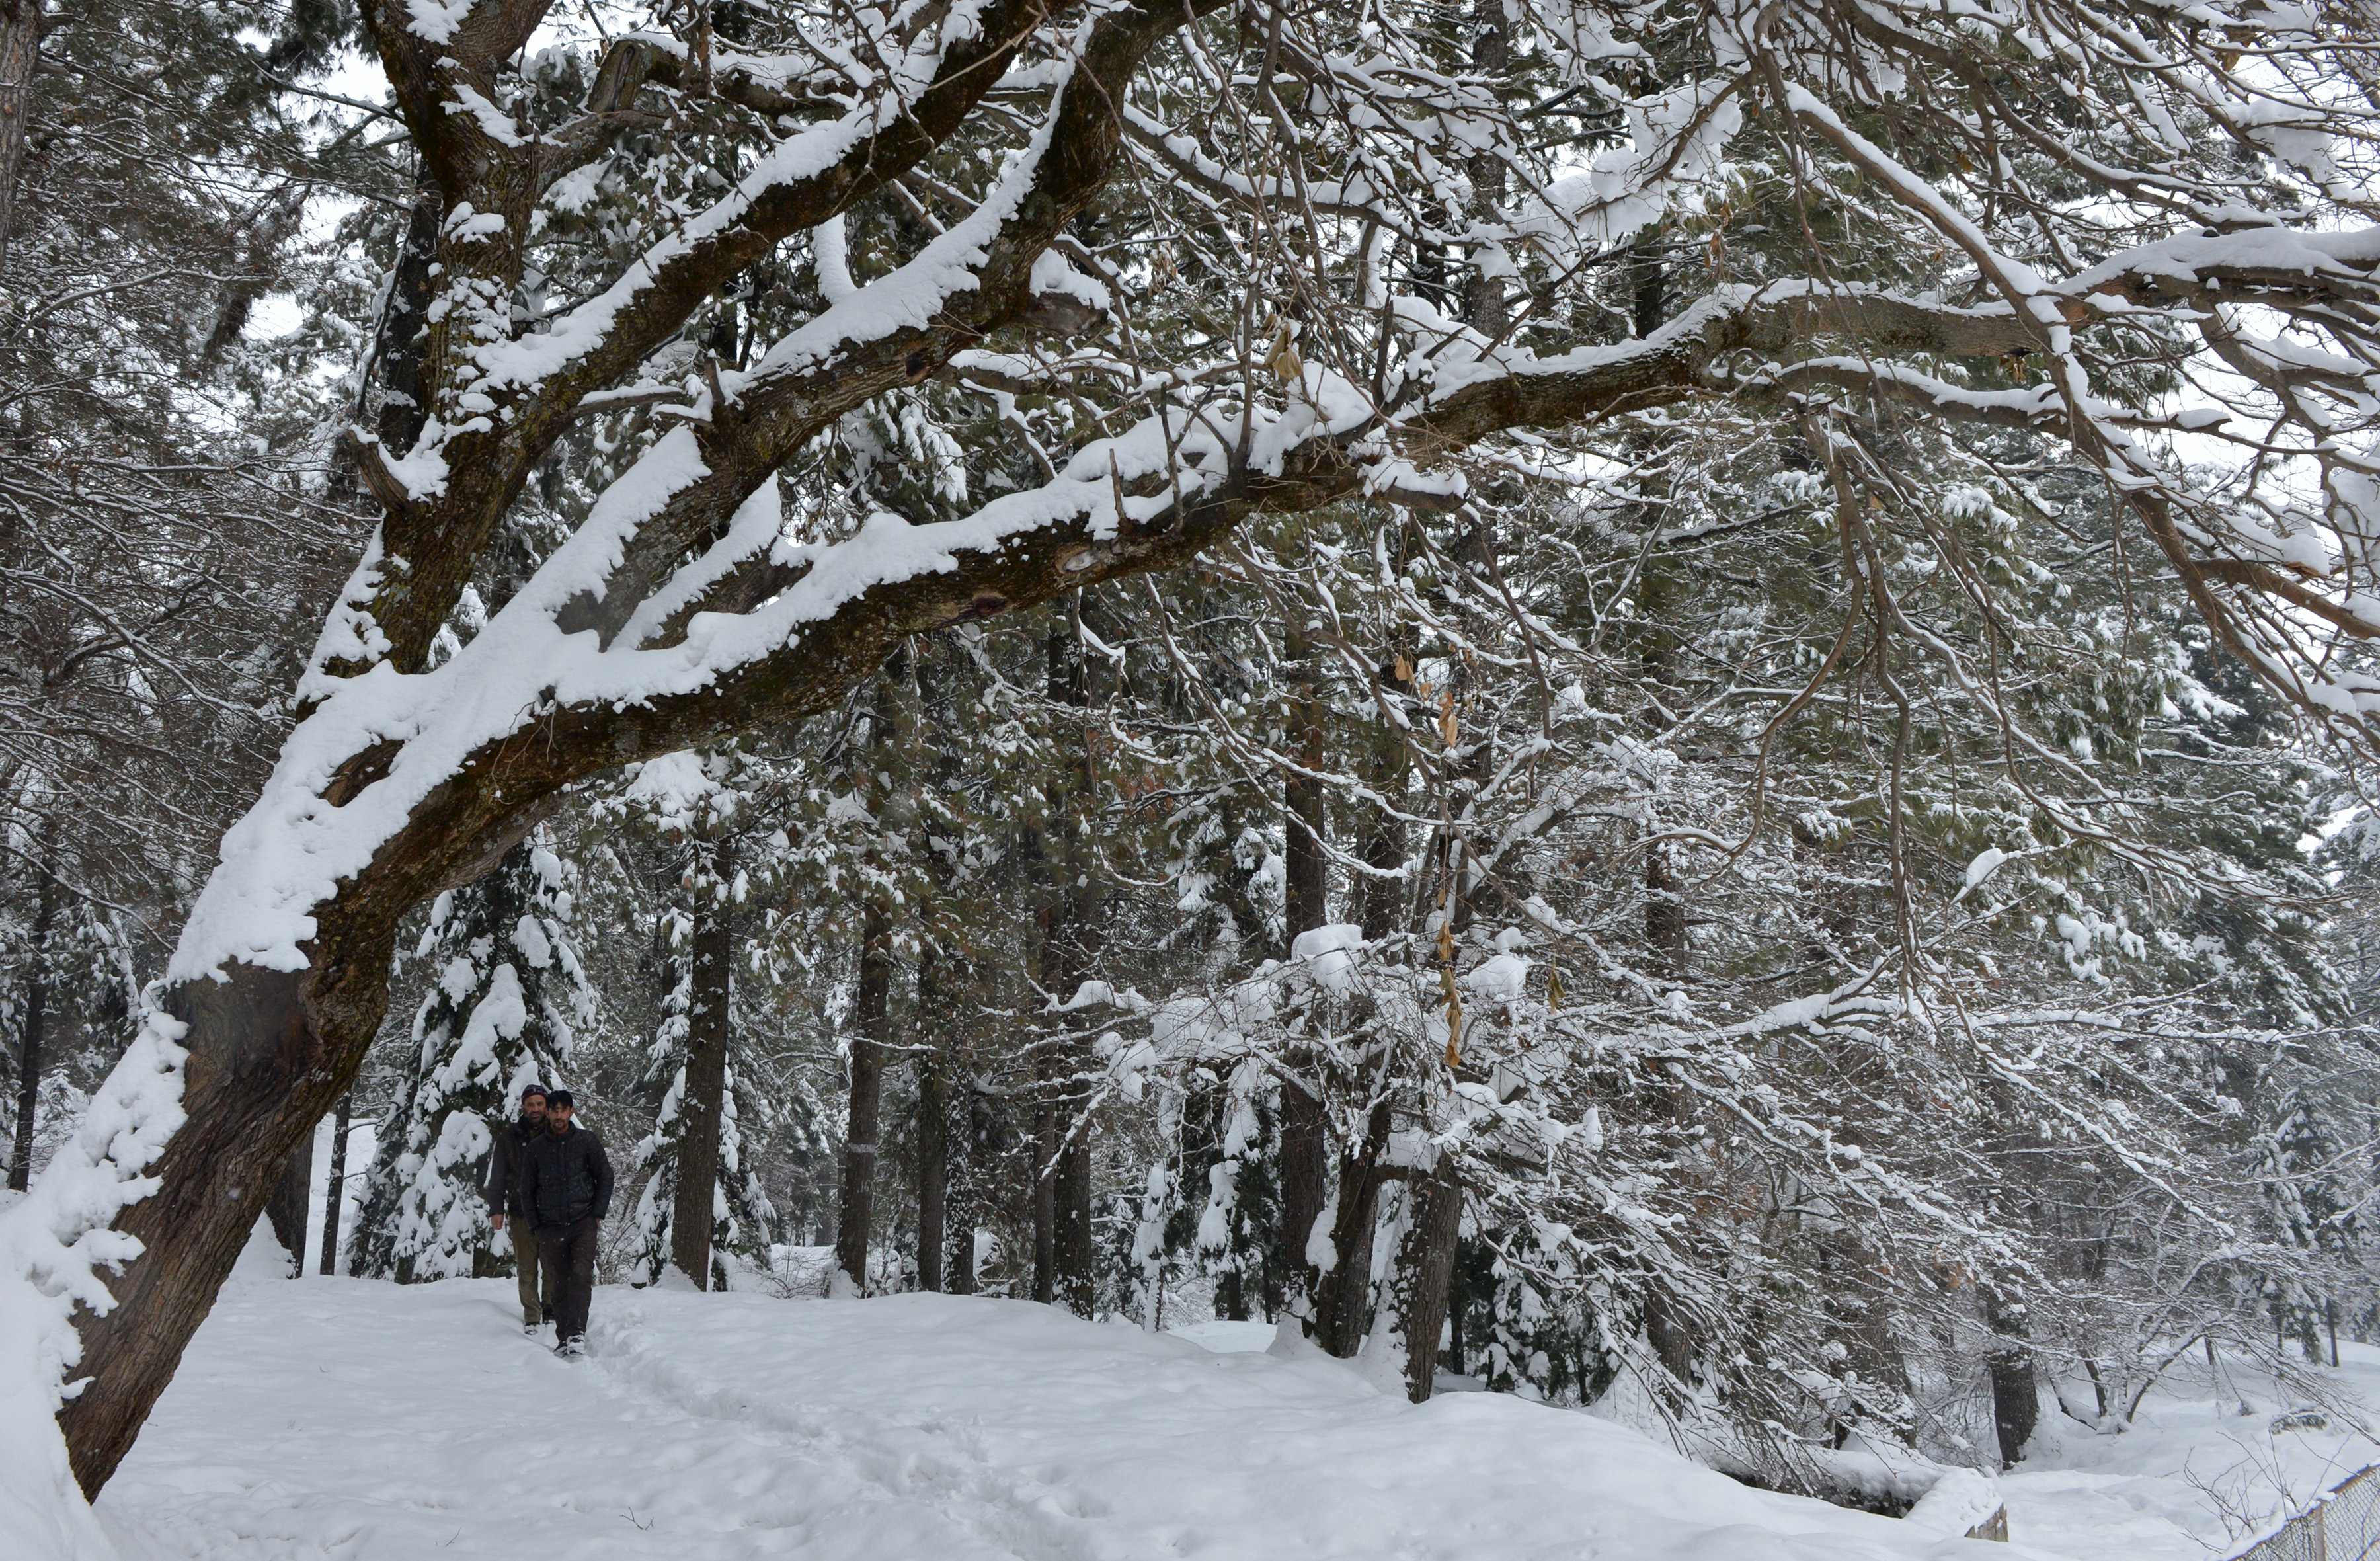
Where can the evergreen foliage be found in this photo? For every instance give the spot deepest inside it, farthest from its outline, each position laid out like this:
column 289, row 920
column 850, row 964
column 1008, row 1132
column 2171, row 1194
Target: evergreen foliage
column 507, row 999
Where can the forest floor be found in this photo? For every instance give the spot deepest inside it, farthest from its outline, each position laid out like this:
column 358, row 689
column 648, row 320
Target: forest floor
column 350, row 1418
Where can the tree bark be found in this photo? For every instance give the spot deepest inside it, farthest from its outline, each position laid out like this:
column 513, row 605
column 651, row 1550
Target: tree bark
column 1305, row 1168
column 872, row 1018
column 972, row 1134
column 404, row 404
column 1070, row 944
column 891, row 719
column 286, row 1208
column 1425, row 1272
column 30, row 1060
column 1045, row 1185
column 933, row 1126
column 2016, row 1396
column 709, row 1033
column 335, row 1187
column 21, row 48
column 1345, row 1294
column 269, row 1052
column 1077, row 1259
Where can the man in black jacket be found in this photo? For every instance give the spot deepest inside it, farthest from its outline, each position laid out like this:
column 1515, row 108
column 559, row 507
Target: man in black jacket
column 565, row 1188
column 504, row 1195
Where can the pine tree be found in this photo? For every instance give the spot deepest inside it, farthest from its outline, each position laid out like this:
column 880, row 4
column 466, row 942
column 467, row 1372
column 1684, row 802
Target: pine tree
column 743, row 1220
column 507, row 999
column 694, row 1064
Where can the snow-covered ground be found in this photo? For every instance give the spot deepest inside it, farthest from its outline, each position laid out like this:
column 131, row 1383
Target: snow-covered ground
column 350, row 1418
column 2193, row 1476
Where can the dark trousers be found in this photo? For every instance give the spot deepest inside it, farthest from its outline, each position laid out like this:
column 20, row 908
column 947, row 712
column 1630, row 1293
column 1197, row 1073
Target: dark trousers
column 567, row 1255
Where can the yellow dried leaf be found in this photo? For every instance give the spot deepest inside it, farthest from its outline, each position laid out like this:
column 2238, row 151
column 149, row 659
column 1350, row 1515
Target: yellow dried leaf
column 1283, row 361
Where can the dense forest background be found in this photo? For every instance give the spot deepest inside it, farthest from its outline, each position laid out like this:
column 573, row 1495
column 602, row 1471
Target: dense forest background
column 1781, row 914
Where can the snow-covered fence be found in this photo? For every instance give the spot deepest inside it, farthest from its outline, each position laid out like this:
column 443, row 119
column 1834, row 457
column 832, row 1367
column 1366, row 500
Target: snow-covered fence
column 2343, row 1524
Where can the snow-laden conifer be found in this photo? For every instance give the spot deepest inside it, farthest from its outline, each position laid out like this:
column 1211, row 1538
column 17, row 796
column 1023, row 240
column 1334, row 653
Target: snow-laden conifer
column 698, row 802
column 506, row 1001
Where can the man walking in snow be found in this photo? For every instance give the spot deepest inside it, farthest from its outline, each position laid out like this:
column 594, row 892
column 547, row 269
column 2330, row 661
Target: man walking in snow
column 565, row 1191
column 504, row 1195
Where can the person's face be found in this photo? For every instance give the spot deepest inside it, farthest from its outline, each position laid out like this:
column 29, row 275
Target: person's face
column 533, row 1108
column 558, row 1119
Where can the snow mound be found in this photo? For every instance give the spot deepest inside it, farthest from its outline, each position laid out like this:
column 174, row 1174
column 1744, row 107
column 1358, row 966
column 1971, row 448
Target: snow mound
column 40, row 1507
column 264, row 1261
column 1961, row 1501
column 361, row 1420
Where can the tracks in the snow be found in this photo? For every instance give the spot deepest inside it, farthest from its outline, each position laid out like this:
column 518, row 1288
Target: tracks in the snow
column 941, row 1466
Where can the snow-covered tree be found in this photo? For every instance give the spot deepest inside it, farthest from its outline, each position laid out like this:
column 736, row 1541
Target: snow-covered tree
column 699, row 1196
column 743, row 1220
column 1655, row 440
column 506, row 1000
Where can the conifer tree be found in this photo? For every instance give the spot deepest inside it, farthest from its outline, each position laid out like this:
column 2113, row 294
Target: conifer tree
column 507, row 999
column 693, row 1064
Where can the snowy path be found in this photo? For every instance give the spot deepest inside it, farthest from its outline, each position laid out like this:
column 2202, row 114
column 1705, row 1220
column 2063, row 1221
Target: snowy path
column 339, row 1418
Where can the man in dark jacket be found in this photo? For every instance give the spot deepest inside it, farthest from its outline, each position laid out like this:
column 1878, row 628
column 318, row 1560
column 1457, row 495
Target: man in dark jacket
column 504, row 1195
column 565, row 1190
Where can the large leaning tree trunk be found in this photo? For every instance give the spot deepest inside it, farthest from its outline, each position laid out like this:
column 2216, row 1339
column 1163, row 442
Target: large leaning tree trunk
column 677, row 615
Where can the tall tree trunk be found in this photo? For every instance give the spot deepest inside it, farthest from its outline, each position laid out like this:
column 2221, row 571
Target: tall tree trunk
column 1305, row 1166
column 1425, row 1272
column 21, row 48
column 1346, row 1291
column 335, row 1186
column 1045, row 1185
column 872, row 1020
column 971, row 1132
column 887, row 756
column 2016, row 1396
column 933, row 1125
column 1078, row 1259
column 709, row 1033
column 30, row 1060
column 1070, row 946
